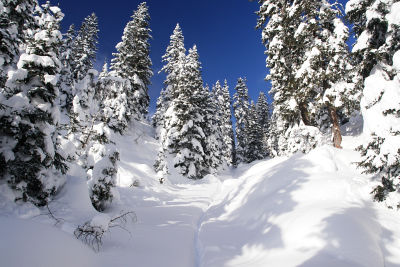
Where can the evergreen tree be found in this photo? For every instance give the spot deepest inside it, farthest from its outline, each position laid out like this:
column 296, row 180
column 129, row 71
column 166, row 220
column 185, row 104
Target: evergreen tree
column 280, row 20
column 115, row 102
column 35, row 165
column 173, row 59
column 322, row 75
column 262, row 110
column 307, row 56
column 254, row 150
column 377, row 48
column 213, row 131
column 14, row 23
column 186, row 136
column 84, row 48
column 370, row 32
column 224, row 116
column 66, row 79
column 241, row 113
column 15, row 20
column 133, row 61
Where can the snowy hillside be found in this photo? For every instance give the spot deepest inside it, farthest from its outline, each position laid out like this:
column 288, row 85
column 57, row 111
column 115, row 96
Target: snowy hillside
column 306, row 210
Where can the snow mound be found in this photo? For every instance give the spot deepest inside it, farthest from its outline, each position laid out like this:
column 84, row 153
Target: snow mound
column 308, row 210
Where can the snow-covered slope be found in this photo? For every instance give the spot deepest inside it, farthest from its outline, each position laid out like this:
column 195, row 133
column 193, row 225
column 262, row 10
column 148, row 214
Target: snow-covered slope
column 306, row 210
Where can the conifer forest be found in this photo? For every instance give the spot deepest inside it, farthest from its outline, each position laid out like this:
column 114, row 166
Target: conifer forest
column 302, row 172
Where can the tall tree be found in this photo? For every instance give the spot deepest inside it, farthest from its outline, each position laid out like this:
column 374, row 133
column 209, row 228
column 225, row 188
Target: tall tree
column 66, row 81
column 241, row 113
column 279, row 20
column 263, row 116
column 132, row 61
column 322, row 75
column 14, row 25
column 35, row 165
column 211, row 112
column 85, row 47
column 224, row 115
column 173, row 59
column 254, row 150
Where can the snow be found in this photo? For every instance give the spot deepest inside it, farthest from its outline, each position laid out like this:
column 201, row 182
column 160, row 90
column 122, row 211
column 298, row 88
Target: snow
column 396, row 61
column 44, row 61
column 307, row 210
column 394, row 14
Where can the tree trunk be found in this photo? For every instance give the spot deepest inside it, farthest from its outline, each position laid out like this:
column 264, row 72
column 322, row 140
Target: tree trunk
column 337, row 136
column 304, row 114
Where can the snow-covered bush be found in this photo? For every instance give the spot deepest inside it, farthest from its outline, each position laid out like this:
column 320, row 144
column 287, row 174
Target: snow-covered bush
column 102, row 163
column 92, row 232
column 302, row 138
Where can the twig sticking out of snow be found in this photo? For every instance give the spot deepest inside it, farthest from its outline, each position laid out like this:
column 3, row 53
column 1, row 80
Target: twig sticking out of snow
column 91, row 232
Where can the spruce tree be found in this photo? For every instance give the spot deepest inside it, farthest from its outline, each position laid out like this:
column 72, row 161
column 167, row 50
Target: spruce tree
column 186, row 136
column 241, row 113
column 84, row 47
column 262, row 110
column 66, row 79
column 224, row 116
column 279, row 20
column 173, row 59
column 16, row 19
column 211, row 112
column 35, row 165
column 133, row 61
column 14, row 25
column 254, row 133
column 322, row 75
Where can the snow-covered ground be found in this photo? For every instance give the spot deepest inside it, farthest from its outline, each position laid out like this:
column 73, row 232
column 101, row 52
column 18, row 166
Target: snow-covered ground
column 307, row 210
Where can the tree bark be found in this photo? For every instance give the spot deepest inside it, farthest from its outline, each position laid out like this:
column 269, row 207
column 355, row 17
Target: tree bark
column 337, row 135
column 304, row 114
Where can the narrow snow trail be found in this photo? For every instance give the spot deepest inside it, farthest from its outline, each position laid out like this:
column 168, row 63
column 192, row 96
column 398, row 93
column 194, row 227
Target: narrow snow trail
column 168, row 215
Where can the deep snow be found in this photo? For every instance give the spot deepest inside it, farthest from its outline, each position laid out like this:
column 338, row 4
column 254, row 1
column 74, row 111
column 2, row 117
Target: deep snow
column 306, row 210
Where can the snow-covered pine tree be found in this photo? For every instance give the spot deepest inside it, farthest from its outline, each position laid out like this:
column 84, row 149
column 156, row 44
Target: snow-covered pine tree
column 322, row 75
column 84, row 48
column 132, row 61
column 66, row 79
column 241, row 113
column 279, row 20
column 13, row 32
column 210, row 110
column 224, row 115
column 254, row 133
column 16, row 18
column 186, row 138
column 173, row 57
column 115, row 102
column 378, row 47
column 263, row 115
column 35, row 165
column 370, row 26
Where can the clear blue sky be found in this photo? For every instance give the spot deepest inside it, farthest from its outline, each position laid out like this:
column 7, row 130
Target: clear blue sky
column 223, row 30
